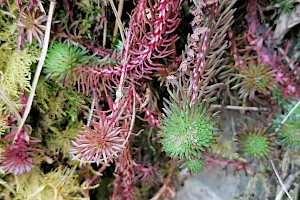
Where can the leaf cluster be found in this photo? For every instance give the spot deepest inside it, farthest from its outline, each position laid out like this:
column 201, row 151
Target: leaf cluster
column 62, row 59
column 187, row 130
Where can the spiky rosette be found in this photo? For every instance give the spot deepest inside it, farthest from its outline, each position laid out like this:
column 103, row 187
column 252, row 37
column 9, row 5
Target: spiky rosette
column 102, row 142
column 289, row 133
column 32, row 23
column 186, row 130
column 256, row 141
column 62, row 59
column 255, row 79
column 17, row 157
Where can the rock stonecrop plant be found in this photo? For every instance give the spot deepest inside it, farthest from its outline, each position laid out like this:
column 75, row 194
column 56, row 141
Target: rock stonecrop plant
column 32, row 24
column 101, row 142
column 186, row 130
column 255, row 79
column 289, row 134
column 17, row 158
column 62, row 60
column 256, row 141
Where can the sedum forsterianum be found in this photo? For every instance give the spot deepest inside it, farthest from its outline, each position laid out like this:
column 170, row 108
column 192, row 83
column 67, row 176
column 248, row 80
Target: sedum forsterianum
column 62, row 59
column 256, row 141
column 289, row 132
column 187, row 130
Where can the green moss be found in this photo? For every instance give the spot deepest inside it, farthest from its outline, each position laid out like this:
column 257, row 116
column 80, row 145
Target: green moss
column 15, row 64
column 60, row 141
column 61, row 184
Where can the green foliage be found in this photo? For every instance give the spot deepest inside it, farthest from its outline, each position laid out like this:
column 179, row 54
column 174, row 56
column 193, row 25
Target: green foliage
column 89, row 7
column 256, row 141
column 89, row 15
column 289, row 133
column 61, row 184
column 44, row 92
column 278, row 98
column 194, row 165
column 255, row 79
column 17, row 74
column 186, row 131
column 60, row 141
column 286, row 6
column 73, row 105
column 58, row 103
column 15, row 63
column 62, row 59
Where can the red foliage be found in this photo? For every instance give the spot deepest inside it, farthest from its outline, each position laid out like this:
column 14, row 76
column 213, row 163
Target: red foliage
column 237, row 165
column 18, row 3
column 287, row 76
column 17, row 157
column 150, row 32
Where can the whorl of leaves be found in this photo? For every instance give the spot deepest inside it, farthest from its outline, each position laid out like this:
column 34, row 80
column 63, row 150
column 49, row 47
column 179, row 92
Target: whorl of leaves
column 63, row 59
column 256, row 141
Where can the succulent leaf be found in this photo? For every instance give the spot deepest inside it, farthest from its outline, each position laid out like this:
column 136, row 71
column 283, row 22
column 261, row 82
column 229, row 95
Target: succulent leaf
column 289, row 133
column 255, row 79
column 187, row 131
column 256, row 141
column 62, row 59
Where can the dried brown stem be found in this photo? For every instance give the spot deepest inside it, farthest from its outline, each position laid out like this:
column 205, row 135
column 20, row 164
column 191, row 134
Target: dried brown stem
column 120, row 10
column 167, row 182
column 244, row 108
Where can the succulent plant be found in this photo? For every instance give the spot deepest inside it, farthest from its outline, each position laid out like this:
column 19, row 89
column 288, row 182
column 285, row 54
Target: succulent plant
column 102, row 142
column 62, row 59
column 289, row 133
column 256, row 141
column 255, row 79
column 187, row 130
column 17, row 158
column 32, row 23
column 194, row 164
